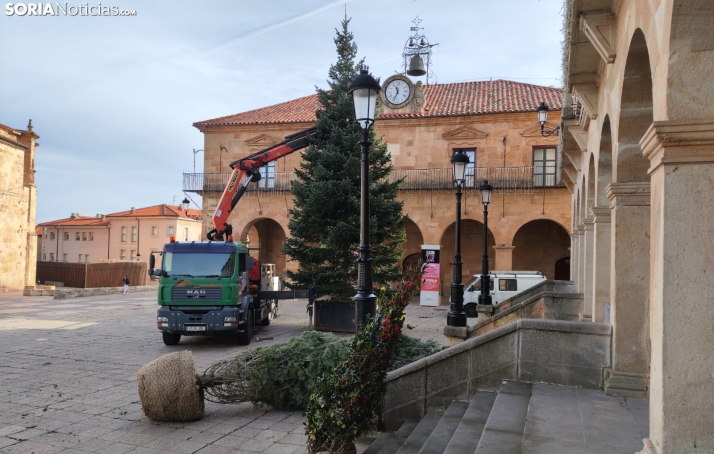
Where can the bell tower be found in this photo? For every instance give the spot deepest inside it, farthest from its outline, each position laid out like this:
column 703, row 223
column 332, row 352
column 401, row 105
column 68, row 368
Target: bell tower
column 400, row 93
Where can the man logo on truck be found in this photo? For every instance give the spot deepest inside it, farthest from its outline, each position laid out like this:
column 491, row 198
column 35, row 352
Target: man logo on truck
column 196, row 294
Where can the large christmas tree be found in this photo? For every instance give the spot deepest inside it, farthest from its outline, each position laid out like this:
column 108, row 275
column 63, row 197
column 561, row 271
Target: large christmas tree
column 324, row 222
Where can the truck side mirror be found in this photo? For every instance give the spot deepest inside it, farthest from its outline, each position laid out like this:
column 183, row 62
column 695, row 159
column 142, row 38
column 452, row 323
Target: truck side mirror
column 152, row 261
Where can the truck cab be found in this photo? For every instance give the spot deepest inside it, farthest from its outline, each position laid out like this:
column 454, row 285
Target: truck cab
column 205, row 289
column 503, row 285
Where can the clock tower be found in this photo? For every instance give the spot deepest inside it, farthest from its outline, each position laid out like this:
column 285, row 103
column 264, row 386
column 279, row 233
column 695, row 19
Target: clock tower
column 400, row 95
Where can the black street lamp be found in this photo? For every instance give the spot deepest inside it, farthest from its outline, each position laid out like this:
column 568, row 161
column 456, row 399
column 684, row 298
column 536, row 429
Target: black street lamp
column 185, row 203
column 485, row 296
column 364, row 89
column 542, row 117
column 457, row 316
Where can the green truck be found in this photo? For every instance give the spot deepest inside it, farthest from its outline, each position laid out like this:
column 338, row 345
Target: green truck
column 212, row 288
column 206, row 289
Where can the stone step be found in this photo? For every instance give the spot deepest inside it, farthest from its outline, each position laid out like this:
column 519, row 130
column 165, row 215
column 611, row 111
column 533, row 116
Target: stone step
column 468, row 433
column 390, row 442
column 444, row 430
column 420, row 434
column 503, row 432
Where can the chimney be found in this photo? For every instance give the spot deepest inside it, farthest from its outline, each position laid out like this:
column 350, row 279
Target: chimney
column 29, row 126
column 133, row 209
column 74, row 215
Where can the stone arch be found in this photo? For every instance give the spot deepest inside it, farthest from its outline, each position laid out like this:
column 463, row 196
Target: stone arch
column 471, row 252
column 265, row 238
column 412, row 247
column 635, row 113
column 523, row 220
column 539, row 245
column 603, row 169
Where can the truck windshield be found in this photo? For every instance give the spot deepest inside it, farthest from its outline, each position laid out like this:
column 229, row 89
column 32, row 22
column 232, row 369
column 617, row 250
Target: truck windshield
column 199, row 264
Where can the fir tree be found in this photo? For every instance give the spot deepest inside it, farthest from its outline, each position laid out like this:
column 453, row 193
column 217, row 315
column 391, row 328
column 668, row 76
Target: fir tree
column 324, row 222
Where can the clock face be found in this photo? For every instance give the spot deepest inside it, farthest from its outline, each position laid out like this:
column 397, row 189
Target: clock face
column 397, row 92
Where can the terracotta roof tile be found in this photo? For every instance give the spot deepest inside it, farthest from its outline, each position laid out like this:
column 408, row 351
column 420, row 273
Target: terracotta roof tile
column 467, row 98
column 163, row 210
column 77, row 221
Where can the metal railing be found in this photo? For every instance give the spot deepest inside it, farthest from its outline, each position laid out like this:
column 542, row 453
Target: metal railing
column 505, row 179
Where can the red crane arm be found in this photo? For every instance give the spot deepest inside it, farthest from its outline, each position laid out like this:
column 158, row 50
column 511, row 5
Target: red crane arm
column 250, row 166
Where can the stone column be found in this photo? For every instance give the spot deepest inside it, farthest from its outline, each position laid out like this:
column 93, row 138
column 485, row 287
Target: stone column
column 629, row 289
column 504, row 257
column 601, row 262
column 681, row 157
column 587, row 248
column 581, row 257
column 575, row 259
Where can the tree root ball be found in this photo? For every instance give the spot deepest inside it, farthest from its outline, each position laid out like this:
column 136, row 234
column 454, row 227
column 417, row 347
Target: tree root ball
column 169, row 388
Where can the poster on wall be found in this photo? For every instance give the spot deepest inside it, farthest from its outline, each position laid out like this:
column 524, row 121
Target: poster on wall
column 430, row 283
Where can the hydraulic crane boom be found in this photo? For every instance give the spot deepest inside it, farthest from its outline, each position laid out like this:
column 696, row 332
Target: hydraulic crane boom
column 250, row 166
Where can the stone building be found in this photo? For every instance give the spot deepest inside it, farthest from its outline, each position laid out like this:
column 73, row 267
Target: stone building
column 18, row 200
column 133, row 234
column 493, row 121
column 638, row 152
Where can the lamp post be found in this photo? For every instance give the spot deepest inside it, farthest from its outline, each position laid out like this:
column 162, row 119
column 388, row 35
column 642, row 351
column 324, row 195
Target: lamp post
column 542, row 117
column 184, row 204
column 364, row 89
column 485, row 296
column 457, row 316
column 195, row 152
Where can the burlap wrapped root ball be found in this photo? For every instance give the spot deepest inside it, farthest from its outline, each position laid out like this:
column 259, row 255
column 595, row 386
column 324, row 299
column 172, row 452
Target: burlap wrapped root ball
column 169, row 388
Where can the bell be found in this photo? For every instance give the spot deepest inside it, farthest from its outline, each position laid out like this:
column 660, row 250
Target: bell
column 416, row 66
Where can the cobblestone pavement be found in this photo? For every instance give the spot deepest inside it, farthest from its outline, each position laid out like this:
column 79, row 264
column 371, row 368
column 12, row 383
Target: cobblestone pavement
column 68, row 379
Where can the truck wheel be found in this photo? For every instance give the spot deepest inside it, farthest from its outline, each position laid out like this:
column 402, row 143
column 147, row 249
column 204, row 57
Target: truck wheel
column 470, row 310
column 171, row 338
column 244, row 337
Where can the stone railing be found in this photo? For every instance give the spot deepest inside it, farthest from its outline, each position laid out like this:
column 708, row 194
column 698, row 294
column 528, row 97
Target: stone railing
column 549, row 351
column 550, row 299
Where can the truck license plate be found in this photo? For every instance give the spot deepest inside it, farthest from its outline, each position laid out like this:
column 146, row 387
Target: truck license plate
column 194, row 327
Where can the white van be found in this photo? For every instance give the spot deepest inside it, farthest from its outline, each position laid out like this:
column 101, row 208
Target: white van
column 504, row 284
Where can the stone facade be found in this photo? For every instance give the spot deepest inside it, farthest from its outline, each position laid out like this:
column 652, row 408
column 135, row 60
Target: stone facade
column 527, row 227
column 638, row 154
column 18, row 200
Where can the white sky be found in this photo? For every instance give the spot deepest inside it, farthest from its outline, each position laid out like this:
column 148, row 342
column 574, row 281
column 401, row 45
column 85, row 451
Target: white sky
column 114, row 98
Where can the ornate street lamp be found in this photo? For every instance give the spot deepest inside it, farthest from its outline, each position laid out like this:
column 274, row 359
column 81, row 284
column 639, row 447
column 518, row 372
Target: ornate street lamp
column 485, row 296
column 185, row 203
column 542, row 117
column 457, row 316
column 364, row 90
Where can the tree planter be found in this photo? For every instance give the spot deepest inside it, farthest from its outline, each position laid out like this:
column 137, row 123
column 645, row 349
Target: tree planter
column 334, row 315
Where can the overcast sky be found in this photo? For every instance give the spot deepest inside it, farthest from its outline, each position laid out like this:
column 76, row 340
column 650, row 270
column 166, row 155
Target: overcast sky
column 114, row 98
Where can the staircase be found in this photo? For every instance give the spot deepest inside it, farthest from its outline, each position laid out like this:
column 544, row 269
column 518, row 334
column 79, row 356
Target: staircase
column 525, row 418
